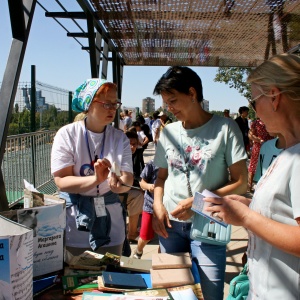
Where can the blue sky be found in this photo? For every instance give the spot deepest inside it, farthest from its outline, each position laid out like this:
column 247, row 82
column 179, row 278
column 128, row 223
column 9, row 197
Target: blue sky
column 60, row 61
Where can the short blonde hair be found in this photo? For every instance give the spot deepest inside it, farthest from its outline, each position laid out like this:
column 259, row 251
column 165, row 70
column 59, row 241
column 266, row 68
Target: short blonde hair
column 281, row 71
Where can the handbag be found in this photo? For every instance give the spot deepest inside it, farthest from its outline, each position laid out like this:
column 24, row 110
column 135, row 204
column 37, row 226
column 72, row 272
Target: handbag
column 205, row 230
column 239, row 286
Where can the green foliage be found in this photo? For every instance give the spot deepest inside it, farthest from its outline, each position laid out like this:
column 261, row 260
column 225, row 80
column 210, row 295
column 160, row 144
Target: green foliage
column 13, row 129
column 49, row 119
column 235, row 78
column 217, row 112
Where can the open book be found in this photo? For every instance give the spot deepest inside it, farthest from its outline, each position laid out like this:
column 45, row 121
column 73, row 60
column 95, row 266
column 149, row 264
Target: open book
column 199, row 206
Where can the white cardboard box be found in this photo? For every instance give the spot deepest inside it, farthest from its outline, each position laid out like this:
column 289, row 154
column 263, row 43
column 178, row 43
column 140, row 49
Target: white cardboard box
column 16, row 261
column 48, row 225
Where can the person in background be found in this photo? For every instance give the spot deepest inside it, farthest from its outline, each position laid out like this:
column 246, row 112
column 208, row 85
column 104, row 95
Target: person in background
column 148, row 178
column 82, row 155
column 242, row 121
column 135, row 198
column 146, row 130
column 272, row 217
column 147, row 119
column 156, row 127
column 258, row 135
column 198, row 152
column 121, row 121
column 164, row 120
column 143, row 140
column 268, row 152
column 226, row 113
column 151, row 122
column 127, row 120
column 137, row 169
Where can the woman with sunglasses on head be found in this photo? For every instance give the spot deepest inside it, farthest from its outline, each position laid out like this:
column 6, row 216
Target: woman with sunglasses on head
column 194, row 154
column 273, row 216
column 84, row 159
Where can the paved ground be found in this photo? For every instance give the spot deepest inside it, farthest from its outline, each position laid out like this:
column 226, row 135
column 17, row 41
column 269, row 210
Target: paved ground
column 235, row 249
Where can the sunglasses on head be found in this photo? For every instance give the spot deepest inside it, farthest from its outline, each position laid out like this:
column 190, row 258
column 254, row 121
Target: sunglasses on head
column 171, row 71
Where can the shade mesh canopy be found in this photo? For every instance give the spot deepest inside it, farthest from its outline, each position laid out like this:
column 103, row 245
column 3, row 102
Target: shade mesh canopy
column 200, row 33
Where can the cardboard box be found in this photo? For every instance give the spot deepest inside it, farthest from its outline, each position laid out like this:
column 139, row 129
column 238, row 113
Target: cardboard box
column 48, row 223
column 16, row 247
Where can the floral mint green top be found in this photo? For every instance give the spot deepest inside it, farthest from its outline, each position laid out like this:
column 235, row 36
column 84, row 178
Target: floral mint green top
column 206, row 152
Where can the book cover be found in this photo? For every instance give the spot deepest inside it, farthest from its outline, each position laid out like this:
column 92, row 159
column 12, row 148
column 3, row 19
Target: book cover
column 171, row 260
column 103, row 288
column 43, row 284
column 196, row 288
column 68, row 271
column 165, row 278
column 184, row 294
column 133, row 264
column 151, row 292
column 96, row 296
column 77, row 283
column 90, row 260
column 123, row 280
column 199, row 206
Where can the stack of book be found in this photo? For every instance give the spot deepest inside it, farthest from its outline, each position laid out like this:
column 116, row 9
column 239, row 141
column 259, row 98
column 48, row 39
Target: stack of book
column 170, row 270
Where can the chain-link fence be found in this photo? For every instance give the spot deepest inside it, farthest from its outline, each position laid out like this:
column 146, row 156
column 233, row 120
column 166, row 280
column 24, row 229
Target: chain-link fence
column 50, row 112
column 35, row 119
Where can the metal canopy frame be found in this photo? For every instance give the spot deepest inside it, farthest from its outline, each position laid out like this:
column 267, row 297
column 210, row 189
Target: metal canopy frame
column 216, row 33
column 21, row 14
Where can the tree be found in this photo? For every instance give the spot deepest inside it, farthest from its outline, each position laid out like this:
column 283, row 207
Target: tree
column 236, row 77
column 217, row 112
column 16, row 108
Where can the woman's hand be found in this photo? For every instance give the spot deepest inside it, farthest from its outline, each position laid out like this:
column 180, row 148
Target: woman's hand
column 151, row 188
column 101, row 169
column 183, row 210
column 160, row 219
column 116, row 182
column 231, row 209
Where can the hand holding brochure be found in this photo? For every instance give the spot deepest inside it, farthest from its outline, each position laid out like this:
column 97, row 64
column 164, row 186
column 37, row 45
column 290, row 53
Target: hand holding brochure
column 199, row 206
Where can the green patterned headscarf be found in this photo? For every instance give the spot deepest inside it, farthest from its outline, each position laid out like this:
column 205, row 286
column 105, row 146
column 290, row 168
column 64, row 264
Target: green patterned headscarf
column 83, row 96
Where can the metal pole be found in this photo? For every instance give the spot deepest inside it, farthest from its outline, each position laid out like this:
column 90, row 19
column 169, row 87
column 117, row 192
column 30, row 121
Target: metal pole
column 32, row 122
column 70, row 107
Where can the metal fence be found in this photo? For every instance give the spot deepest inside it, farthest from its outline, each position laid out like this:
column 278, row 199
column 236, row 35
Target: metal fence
column 27, row 156
column 35, row 119
column 46, row 108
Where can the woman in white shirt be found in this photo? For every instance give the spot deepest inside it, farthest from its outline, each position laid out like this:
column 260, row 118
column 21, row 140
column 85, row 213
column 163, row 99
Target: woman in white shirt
column 82, row 158
column 272, row 217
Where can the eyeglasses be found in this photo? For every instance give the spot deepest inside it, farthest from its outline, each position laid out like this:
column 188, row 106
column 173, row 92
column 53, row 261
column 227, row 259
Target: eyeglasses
column 109, row 106
column 252, row 101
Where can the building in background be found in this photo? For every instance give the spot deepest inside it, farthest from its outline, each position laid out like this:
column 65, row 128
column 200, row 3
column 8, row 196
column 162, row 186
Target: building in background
column 148, row 105
column 23, row 95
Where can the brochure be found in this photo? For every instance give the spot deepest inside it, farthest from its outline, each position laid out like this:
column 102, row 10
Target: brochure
column 199, row 206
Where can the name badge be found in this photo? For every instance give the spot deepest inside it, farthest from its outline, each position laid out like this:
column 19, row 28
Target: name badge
column 99, row 206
